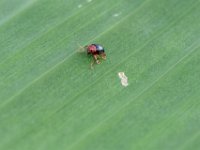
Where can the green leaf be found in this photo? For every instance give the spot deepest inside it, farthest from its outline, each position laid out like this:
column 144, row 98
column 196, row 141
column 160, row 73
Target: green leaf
column 51, row 99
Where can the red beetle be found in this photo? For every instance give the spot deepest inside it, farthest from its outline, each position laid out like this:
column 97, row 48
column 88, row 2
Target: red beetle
column 96, row 51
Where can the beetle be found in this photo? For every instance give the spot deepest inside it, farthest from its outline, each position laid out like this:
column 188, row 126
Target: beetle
column 96, row 51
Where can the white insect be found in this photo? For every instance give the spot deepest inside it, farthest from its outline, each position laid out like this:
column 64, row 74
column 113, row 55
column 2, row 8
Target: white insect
column 124, row 78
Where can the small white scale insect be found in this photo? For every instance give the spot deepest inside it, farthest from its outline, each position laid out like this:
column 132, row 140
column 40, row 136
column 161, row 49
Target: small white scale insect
column 124, row 79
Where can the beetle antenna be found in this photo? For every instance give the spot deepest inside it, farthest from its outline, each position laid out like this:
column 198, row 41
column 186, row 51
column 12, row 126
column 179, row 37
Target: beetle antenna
column 81, row 48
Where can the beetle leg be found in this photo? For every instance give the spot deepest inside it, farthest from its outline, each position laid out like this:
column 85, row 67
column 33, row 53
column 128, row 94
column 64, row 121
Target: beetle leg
column 91, row 64
column 96, row 59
